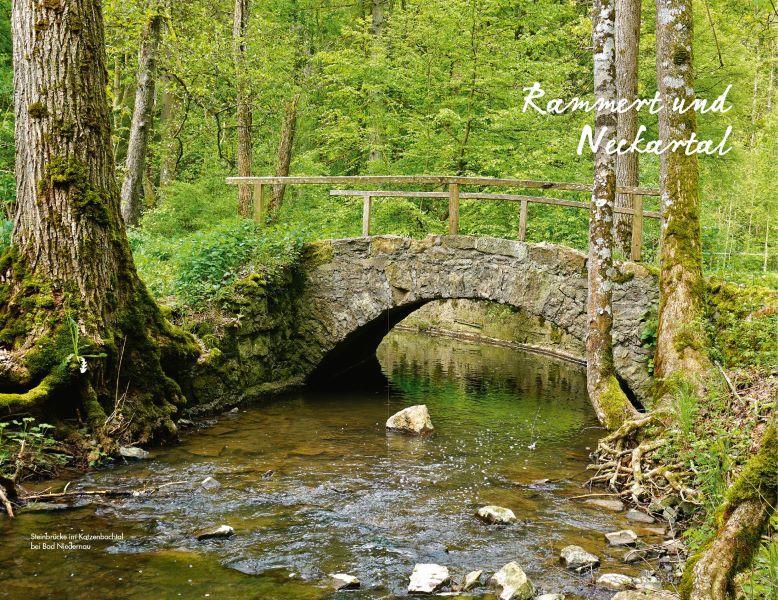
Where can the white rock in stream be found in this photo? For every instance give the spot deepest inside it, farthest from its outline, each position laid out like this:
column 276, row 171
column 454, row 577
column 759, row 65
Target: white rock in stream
column 133, row 452
column 551, row 597
column 222, row 531
column 615, row 581
column 471, row 580
column 625, row 537
column 210, row 484
column 344, row 581
column 578, row 559
column 512, row 583
column 414, row 419
column 428, row 578
column 496, row 515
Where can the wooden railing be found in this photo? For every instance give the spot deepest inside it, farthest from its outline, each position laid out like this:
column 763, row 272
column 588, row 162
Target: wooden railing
column 454, row 195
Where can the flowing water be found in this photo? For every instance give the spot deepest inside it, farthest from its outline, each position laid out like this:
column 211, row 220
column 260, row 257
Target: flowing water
column 312, row 484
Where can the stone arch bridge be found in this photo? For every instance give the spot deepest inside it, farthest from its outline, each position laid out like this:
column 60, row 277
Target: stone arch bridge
column 350, row 292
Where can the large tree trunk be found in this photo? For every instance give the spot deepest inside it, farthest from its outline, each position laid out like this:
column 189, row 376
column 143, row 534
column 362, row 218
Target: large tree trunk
column 627, row 47
column 142, row 118
column 680, row 335
column 239, row 27
column 72, row 301
column 285, row 145
column 610, row 403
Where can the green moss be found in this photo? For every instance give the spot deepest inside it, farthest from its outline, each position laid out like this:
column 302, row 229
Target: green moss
column 759, row 479
column 38, row 395
column 73, row 175
column 37, row 110
column 317, row 253
column 741, row 323
column 691, row 335
column 622, row 276
column 614, row 403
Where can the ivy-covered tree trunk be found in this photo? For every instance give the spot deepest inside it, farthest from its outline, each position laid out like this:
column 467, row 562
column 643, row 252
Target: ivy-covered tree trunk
column 77, row 323
column 627, row 47
column 610, row 403
column 680, row 335
column 142, row 118
column 285, row 146
column 243, row 103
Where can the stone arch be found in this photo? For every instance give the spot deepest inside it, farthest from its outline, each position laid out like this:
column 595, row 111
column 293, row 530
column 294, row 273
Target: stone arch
column 358, row 288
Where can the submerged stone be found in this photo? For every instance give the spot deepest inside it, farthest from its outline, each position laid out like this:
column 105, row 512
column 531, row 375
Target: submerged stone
column 512, row 584
column 496, row 515
column 625, row 537
column 615, row 581
column 344, row 581
column 614, row 505
column 45, row 506
column 133, row 452
column 551, row 597
column 414, row 419
column 639, row 516
column 578, row 559
column 222, row 531
column 645, row 595
column 428, row 578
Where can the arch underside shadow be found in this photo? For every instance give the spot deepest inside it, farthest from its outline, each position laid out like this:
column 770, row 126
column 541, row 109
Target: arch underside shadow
column 368, row 285
column 357, row 351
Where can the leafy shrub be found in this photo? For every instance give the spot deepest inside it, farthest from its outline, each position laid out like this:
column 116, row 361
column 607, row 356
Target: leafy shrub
column 188, row 207
column 215, row 258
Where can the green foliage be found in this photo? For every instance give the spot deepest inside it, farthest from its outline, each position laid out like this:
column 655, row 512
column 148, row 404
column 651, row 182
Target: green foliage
column 192, row 245
column 742, row 324
column 29, row 448
column 761, row 581
column 218, row 257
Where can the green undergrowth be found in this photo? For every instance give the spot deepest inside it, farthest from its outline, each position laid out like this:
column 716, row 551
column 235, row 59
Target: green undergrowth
column 28, row 449
column 742, row 324
column 192, row 246
column 712, row 438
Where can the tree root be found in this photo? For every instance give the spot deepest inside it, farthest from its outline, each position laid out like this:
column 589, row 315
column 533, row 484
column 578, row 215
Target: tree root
column 6, row 503
column 625, row 463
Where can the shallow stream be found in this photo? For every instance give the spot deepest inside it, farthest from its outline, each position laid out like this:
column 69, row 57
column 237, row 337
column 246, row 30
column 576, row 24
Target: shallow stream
column 312, row 484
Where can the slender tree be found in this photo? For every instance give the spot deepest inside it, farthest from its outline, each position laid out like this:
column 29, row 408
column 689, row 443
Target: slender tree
column 239, row 27
column 627, row 48
column 609, row 401
column 73, row 304
column 142, row 120
column 680, row 334
column 285, row 145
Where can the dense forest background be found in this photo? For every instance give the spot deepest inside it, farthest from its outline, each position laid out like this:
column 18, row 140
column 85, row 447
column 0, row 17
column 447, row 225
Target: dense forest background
column 408, row 87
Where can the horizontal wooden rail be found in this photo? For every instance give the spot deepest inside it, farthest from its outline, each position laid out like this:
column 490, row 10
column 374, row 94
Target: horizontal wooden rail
column 454, row 194
column 485, row 196
column 433, row 180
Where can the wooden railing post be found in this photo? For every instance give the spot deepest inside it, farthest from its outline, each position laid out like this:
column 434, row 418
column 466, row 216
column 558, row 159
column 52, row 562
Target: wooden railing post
column 366, row 201
column 523, row 221
column 259, row 203
column 453, row 208
column 637, row 227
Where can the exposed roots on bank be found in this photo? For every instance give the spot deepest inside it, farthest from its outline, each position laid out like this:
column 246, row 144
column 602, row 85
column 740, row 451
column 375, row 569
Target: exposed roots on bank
column 626, row 462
